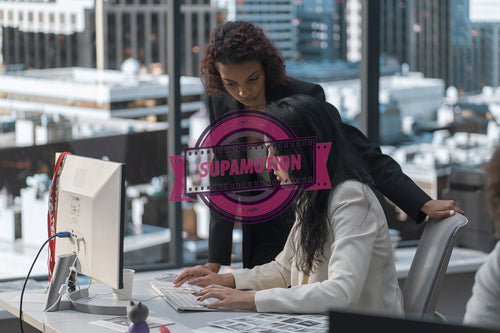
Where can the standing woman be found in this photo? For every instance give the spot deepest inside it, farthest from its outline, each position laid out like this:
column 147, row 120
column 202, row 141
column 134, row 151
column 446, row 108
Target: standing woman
column 241, row 69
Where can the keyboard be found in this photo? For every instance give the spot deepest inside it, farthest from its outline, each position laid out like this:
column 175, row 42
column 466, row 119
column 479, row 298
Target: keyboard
column 182, row 298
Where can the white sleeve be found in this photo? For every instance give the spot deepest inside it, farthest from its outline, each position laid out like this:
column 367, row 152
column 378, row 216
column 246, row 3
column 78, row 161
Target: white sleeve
column 275, row 274
column 355, row 228
column 483, row 308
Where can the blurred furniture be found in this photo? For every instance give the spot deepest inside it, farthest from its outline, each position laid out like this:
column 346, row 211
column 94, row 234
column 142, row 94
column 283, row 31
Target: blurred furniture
column 466, row 187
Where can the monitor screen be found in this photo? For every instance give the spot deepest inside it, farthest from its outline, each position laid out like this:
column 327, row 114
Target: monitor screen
column 90, row 205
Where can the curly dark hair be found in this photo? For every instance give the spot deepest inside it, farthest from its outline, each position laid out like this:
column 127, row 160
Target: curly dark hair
column 492, row 189
column 236, row 42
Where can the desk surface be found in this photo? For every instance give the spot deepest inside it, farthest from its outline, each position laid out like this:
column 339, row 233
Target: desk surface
column 462, row 260
column 72, row 321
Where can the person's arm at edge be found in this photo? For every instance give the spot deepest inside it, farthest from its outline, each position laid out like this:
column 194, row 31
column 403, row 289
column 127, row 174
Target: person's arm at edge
column 384, row 170
column 482, row 307
column 388, row 176
column 395, row 184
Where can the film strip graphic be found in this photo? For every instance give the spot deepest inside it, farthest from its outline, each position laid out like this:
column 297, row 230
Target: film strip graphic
column 235, row 177
column 248, row 166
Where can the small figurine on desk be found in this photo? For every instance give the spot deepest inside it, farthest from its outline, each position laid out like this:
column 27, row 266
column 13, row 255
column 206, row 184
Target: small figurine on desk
column 137, row 314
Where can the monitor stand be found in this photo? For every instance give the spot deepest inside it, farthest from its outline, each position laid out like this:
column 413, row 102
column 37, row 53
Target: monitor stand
column 76, row 299
column 58, row 282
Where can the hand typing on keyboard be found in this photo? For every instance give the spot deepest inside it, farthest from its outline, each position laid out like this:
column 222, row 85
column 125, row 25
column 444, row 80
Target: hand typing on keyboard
column 216, row 286
column 203, row 277
column 181, row 299
column 186, row 290
column 227, row 297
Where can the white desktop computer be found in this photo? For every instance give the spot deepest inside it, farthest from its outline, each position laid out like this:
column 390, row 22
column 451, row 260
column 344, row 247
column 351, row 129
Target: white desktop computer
column 90, row 206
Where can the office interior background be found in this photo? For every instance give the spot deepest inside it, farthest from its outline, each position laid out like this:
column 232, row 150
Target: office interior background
column 63, row 88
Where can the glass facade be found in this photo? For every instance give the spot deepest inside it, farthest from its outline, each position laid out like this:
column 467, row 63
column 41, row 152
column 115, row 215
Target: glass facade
column 438, row 99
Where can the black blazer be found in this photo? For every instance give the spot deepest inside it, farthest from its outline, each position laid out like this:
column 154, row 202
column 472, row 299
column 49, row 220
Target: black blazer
column 263, row 241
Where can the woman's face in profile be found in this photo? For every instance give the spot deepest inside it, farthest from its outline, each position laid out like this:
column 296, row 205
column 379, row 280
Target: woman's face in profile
column 273, row 162
column 245, row 82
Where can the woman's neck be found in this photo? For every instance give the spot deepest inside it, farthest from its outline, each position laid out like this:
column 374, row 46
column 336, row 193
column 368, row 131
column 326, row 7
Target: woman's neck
column 258, row 108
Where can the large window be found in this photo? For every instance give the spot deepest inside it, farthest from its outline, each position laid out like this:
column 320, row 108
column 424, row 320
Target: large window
column 438, row 89
column 438, row 102
column 52, row 99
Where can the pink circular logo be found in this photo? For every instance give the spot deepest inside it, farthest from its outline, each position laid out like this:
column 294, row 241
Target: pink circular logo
column 252, row 200
column 234, row 173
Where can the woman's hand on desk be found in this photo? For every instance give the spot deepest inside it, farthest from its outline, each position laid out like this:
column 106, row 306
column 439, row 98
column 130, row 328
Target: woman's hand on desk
column 202, row 277
column 228, row 297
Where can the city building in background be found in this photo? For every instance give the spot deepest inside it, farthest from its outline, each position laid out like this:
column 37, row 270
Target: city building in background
column 61, row 33
column 439, row 39
column 456, row 41
column 274, row 17
column 40, row 34
column 321, row 31
column 394, row 29
column 86, row 93
column 486, row 29
column 403, row 99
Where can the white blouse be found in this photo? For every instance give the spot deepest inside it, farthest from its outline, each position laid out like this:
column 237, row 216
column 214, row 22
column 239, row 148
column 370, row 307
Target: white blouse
column 358, row 271
column 483, row 308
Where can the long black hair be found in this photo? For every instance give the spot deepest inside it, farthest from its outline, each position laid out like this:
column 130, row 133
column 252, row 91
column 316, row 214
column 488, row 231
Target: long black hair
column 309, row 117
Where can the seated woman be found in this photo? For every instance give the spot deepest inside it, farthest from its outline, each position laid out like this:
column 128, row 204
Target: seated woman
column 483, row 308
column 338, row 253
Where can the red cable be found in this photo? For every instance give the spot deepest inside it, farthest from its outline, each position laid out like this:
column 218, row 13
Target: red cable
column 51, row 215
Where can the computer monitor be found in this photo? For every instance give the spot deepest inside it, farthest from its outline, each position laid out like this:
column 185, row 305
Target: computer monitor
column 90, row 205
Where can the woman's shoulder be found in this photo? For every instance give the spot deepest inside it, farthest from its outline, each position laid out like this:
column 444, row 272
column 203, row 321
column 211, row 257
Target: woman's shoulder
column 298, row 86
column 350, row 189
column 353, row 200
column 295, row 87
column 351, row 184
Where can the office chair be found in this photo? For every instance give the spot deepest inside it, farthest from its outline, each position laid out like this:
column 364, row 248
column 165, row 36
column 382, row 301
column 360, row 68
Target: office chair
column 423, row 284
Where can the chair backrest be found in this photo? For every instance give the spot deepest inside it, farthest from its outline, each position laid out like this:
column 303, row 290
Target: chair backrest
column 428, row 268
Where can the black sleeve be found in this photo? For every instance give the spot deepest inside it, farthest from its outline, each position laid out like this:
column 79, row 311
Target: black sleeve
column 388, row 176
column 220, row 238
column 209, row 104
column 296, row 87
column 385, row 172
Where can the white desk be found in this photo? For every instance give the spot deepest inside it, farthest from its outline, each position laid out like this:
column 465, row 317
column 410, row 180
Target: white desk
column 462, row 261
column 72, row 321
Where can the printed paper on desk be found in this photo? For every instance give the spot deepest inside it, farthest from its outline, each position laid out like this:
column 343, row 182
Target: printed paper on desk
column 121, row 323
column 274, row 322
column 210, row 329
